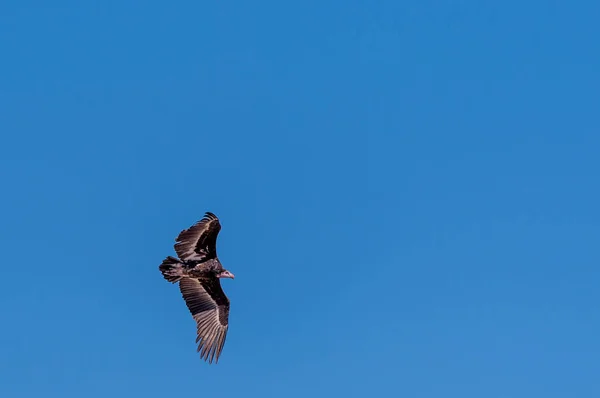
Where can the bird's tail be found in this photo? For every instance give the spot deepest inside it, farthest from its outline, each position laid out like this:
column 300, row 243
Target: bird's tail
column 172, row 269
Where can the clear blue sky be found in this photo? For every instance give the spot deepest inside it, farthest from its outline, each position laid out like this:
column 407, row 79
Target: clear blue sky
column 408, row 191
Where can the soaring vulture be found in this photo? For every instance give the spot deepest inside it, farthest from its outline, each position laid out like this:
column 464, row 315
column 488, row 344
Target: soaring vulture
column 198, row 270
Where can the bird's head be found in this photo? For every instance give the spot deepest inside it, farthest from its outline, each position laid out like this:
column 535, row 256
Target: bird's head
column 225, row 274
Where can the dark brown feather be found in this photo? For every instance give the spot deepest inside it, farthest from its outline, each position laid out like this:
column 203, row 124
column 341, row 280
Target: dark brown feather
column 209, row 306
column 199, row 242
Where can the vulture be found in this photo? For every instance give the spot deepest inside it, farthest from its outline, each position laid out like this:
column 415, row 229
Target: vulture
column 198, row 271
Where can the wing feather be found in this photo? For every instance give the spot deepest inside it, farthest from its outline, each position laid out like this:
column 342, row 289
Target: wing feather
column 209, row 306
column 199, row 242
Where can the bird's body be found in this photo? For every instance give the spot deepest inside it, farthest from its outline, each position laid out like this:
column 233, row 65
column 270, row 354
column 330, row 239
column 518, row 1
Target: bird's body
column 198, row 272
column 195, row 269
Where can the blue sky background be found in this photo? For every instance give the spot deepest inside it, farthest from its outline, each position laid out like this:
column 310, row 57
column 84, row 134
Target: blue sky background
column 408, row 191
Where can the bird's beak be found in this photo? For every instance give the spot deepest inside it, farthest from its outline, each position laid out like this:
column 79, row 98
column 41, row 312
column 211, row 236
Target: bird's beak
column 226, row 274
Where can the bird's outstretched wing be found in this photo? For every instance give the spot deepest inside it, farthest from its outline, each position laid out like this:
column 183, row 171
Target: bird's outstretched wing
column 199, row 242
column 209, row 306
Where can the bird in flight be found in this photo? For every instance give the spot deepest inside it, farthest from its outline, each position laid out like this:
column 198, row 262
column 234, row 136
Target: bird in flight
column 198, row 271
